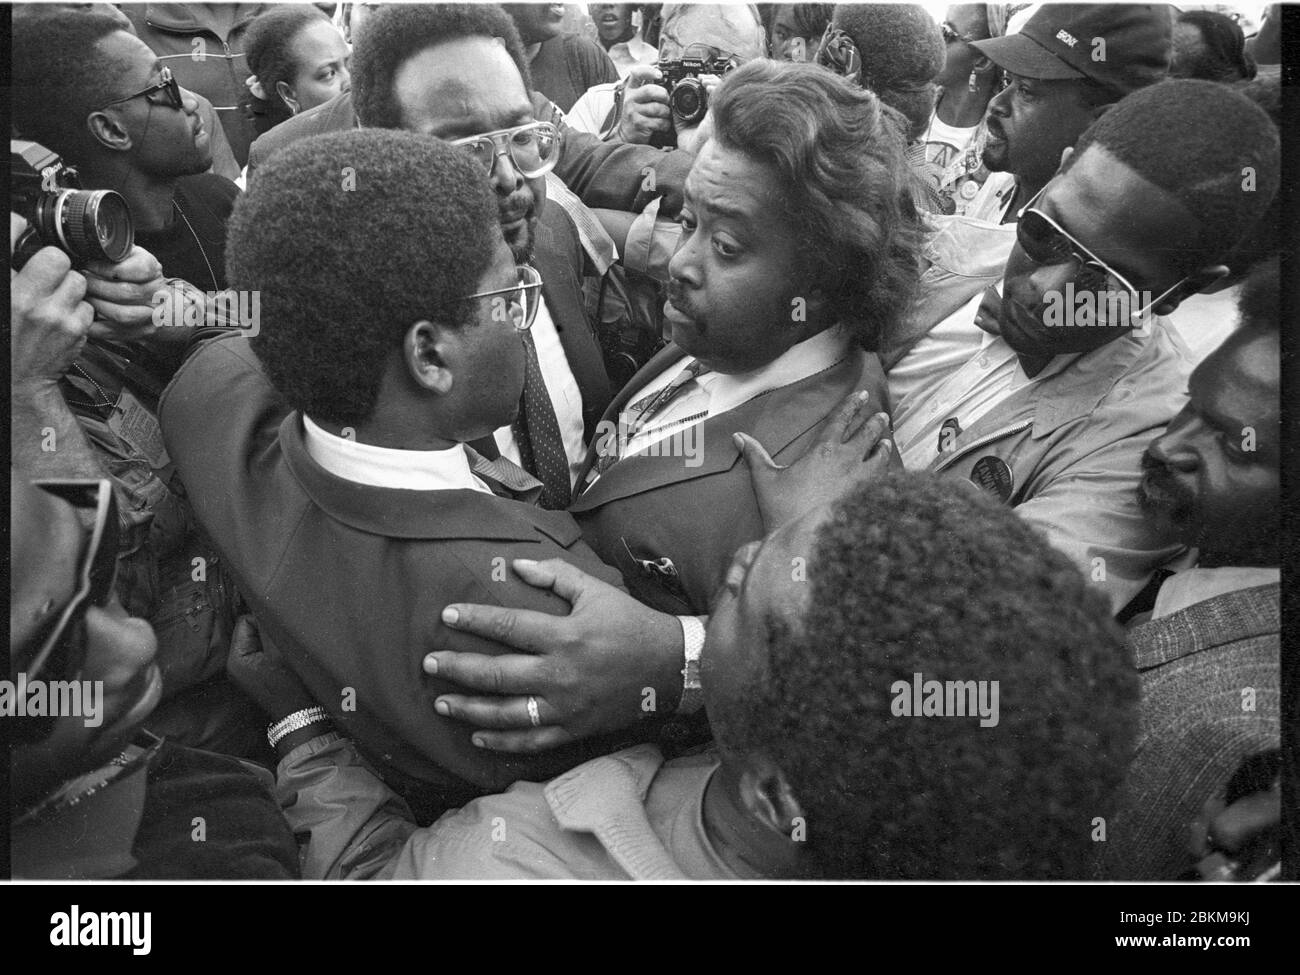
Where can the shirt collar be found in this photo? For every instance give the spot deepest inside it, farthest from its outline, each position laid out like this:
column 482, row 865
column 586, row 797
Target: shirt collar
column 411, row 470
column 1196, row 585
column 636, row 48
column 804, row 359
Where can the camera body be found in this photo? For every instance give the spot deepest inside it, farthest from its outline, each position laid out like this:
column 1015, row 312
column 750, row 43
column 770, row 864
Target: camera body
column 687, row 96
column 87, row 225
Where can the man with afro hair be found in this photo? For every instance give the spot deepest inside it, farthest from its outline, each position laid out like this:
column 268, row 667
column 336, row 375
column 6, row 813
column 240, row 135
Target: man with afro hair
column 326, row 456
column 822, row 768
column 1047, row 388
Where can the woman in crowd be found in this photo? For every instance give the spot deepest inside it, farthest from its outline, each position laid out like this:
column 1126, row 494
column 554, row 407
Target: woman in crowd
column 298, row 59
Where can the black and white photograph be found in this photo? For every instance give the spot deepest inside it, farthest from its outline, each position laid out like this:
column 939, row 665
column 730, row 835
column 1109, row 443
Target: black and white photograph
column 684, row 443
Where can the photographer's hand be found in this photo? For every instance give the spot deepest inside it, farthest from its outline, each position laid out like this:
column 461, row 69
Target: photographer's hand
column 49, row 318
column 124, row 295
column 645, row 107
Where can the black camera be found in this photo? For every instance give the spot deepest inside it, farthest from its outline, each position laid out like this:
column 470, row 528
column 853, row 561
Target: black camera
column 87, row 225
column 687, row 96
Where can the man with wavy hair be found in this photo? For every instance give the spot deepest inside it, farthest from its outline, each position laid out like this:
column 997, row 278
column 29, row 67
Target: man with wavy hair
column 798, row 246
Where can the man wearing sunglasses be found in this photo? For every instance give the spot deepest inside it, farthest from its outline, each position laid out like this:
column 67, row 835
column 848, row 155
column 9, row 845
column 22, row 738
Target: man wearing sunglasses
column 97, row 798
column 1069, row 370
column 94, row 93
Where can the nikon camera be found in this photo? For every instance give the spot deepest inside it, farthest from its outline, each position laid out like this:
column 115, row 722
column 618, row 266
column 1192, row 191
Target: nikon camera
column 687, row 96
column 87, row 225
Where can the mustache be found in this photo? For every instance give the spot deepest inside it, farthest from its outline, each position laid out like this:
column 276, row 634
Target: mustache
column 678, row 299
column 521, row 203
column 1174, row 497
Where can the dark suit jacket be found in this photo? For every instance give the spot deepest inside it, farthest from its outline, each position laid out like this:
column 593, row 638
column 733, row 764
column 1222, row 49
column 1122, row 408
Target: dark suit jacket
column 645, row 509
column 348, row 581
column 1196, row 725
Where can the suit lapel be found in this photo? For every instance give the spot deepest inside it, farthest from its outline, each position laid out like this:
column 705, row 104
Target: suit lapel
column 775, row 419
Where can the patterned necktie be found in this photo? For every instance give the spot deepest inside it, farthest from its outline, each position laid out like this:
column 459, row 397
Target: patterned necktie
column 537, row 434
column 644, row 409
column 505, row 478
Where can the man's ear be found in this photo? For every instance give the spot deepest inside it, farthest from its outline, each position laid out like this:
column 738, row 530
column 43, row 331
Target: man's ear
column 1066, row 153
column 288, row 96
column 768, row 798
column 428, row 352
column 107, row 129
column 1199, row 280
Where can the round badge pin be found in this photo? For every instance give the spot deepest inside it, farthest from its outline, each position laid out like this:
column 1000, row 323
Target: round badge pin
column 992, row 474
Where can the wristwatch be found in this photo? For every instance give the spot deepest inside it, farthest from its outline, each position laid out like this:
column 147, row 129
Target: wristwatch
column 692, row 690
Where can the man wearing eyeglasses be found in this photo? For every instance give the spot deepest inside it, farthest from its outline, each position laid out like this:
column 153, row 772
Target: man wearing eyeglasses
column 91, row 796
column 327, row 456
column 1071, row 369
column 91, row 91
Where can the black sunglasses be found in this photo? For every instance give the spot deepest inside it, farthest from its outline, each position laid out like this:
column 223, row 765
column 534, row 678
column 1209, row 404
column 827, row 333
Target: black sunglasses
column 168, row 85
column 62, row 643
column 1045, row 241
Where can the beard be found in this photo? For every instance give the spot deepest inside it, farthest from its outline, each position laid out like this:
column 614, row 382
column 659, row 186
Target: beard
column 1161, row 496
column 518, row 216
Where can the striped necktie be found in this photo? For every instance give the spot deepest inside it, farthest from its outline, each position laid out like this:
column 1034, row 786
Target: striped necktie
column 504, row 477
column 643, row 410
column 537, row 434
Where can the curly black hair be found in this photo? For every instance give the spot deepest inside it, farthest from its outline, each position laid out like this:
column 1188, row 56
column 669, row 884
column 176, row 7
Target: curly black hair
column 841, row 160
column 902, row 52
column 269, row 48
column 916, row 574
column 350, row 238
column 1204, row 143
column 59, row 77
column 397, row 32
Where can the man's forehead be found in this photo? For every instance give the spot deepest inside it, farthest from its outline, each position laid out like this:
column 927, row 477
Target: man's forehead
column 1240, row 379
column 728, row 182
column 1115, row 211
column 127, row 56
column 466, row 80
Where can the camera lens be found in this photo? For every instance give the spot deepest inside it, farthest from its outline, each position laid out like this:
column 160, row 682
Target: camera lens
column 91, row 225
column 689, row 101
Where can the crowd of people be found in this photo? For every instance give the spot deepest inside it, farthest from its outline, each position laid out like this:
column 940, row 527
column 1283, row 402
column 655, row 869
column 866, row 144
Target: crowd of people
column 665, row 441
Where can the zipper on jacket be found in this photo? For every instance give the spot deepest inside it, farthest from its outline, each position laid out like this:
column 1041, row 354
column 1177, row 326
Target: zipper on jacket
column 982, row 441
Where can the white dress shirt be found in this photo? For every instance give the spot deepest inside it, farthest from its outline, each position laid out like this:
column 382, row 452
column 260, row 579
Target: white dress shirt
column 566, row 397
column 387, row 467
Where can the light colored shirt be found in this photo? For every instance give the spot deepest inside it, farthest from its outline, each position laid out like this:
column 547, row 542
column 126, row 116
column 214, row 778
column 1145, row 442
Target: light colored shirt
column 1184, row 589
column 713, row 393
column 565, row 395
column 993, row 198
column 633, row 51
column 957, row 372
column 1203, row 321
column 590, row 112
column 387, row 467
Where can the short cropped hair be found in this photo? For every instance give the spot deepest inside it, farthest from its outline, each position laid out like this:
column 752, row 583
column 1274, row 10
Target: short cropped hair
column 1259, row 305
column 59, row 77
column 397, row 32
column 268, row 46
column 1204, row 143
column 1223, row 56
column 840, row 157
column 902, row 52
column 350, row 238
column 920, row 575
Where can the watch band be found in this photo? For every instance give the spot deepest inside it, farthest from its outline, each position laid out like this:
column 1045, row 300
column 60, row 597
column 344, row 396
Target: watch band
column 693, row 641
column 295, row 722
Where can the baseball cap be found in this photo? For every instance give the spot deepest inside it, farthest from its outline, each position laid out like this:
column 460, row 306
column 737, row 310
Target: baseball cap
column 1124, row 46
